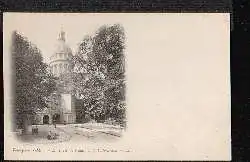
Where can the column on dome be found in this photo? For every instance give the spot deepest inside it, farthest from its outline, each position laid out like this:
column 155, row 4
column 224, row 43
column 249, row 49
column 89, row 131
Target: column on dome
column 51, row 68
column 65, row 68
column 68, row 68
column 56, row 69
column 60, row 68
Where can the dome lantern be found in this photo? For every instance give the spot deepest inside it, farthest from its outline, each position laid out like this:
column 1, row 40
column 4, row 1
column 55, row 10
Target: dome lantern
column 62, row 36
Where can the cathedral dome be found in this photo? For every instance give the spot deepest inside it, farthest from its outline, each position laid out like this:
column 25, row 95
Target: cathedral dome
column 62, row 50
column 59, row 62
column 62, row 47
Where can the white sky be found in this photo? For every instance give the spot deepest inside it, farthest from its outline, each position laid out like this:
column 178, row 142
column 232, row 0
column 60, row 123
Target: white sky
column 43, row 29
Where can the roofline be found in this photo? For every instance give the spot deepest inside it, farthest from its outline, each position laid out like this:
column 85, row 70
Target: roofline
column 58, row 60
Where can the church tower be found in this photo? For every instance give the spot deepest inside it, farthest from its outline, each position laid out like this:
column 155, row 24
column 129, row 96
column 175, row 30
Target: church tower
column 60, row 66
column 59, row 62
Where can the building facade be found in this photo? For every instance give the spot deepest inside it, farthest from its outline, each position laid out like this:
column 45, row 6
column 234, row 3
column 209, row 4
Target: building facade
column 61, row 108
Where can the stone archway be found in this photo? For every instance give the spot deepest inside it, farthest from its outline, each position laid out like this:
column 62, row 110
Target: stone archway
column 56, row 118
column 46, row 119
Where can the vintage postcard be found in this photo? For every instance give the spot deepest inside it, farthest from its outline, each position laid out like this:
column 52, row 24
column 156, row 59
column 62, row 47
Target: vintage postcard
column 120, row 86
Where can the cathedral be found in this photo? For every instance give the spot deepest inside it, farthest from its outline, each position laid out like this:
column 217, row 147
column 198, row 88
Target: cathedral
column 61, row 107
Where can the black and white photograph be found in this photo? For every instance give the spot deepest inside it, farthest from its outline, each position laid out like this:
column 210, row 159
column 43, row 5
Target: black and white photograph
column 72, row 96
column 116, row 86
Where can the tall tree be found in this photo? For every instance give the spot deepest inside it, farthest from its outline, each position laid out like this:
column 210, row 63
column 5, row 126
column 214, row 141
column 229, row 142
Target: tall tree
column 100, row 65
column 32, row 80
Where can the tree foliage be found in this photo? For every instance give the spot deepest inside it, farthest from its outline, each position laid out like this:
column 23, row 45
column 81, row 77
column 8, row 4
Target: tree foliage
column 32, row 80
column 99, row 73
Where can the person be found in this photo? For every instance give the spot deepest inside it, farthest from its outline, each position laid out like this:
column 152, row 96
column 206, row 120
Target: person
column 49, row 137
column 54, row 122
column 36, row 130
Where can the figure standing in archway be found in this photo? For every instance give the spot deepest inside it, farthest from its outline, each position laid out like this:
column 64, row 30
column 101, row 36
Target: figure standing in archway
column 45, row 119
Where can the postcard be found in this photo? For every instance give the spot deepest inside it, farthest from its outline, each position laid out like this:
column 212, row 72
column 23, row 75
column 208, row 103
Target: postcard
column 117, row 86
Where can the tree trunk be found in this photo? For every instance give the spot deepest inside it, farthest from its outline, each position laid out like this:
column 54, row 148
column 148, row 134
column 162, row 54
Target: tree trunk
column 26, row 124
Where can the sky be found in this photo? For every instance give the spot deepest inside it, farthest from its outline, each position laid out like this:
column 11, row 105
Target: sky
column 43, row 29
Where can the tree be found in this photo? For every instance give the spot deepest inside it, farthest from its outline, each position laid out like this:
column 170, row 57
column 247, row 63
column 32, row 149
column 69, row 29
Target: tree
column 32, row 80
column 100, row 68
